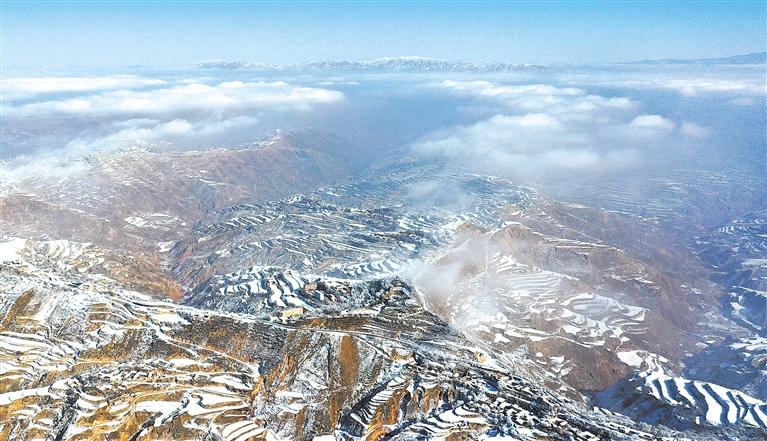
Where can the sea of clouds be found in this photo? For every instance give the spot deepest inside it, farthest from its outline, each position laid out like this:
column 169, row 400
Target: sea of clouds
column 526, row 125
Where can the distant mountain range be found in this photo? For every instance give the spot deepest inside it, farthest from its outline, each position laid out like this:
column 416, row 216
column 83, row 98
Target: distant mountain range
column 394, row 64
column 432, row 65
column 755, row 58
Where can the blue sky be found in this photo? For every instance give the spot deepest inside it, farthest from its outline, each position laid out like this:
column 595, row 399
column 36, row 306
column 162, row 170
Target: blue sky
column 179, row 34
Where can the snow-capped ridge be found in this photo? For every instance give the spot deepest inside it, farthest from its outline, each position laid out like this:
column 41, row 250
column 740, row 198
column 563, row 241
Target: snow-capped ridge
column 386, row 64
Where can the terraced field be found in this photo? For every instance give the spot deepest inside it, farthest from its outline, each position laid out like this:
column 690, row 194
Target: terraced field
column 659, row 398
column 350, row 231
column 413, row 304
column 736, row 251
column 82, row 358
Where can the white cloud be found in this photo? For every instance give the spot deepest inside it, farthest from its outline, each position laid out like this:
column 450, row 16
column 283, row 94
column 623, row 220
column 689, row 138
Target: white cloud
column 489, row 89
column 538, row 120
column 691, row 82
column 136, row 122
column 537, row 97
column 505, row 143
column 216, row 98
column 544, row 128
column 653, row 124
column 179, row 132
column 694, row 130
column 67, row 117
column 698, row 86
column 49, row 166
column 21, row 88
